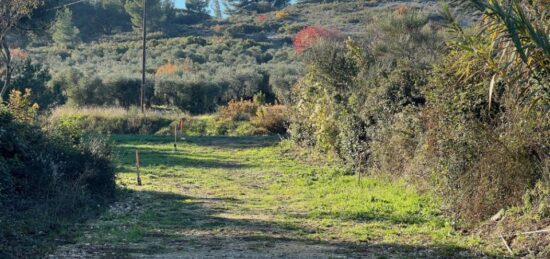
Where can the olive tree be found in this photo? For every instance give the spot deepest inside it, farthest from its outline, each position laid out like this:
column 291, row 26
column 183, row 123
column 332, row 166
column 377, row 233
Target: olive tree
column 11, row 12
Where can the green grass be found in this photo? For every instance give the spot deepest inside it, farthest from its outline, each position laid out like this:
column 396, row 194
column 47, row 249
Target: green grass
column 237, row 196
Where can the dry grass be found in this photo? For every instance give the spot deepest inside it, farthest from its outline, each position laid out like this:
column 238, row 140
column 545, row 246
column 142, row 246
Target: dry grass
column 113, row 119
column 111, row 112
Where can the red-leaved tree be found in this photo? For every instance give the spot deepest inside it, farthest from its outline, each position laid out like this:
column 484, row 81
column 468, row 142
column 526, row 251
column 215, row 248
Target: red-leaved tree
column 261, row 18
column 309, row 36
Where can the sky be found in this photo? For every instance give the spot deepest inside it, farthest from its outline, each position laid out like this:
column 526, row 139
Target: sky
column 180, row 3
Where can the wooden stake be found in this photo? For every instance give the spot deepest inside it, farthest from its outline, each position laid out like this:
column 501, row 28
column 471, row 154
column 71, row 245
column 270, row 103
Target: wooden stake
column 175, row 137
column 137, row 168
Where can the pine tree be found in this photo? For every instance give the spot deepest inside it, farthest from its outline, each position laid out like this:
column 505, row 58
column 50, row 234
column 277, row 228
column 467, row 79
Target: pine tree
column 197, row 6
column 158, row 12
column 259, row 6
column 64, row 33
column 217, row 9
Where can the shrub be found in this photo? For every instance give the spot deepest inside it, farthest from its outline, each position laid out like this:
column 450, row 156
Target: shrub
column 189, row 95
column 309, row 36
column 20, row 106
column 281, row 14
column 46, row 179
column 166, row 69
column 218, row 28
column 401, row 10
column 274, row 119
column 239, row 29
column 259, row 98
column 239, row 110
column 261, row 18
column 282, row 79
column 35, row 76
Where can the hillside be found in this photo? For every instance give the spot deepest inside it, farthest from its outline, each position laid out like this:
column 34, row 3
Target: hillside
column 215, row 59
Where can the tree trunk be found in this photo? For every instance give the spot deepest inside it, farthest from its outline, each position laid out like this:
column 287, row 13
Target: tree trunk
column 7, row 63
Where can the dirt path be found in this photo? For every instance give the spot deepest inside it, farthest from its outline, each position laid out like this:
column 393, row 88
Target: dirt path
column 240, row 198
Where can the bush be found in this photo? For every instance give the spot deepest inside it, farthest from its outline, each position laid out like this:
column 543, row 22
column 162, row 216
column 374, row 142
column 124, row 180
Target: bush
column 35, row 76
column 462, row 127
column 488, row 157
column 259, row 98
column 281, row 14
column 46, row 179
column 274, row 119
column 309, row 36
column 239, row 110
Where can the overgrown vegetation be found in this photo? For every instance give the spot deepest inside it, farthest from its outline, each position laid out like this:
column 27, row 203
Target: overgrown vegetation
column 238, row 118
column 47, row 178
column 112, row 120
column 469, row 117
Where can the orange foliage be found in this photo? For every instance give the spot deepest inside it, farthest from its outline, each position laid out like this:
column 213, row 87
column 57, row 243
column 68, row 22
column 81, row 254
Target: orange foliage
column 281, row 14
column 261, row 18
column 309, row 36
column 167, row 69
column 217, row 28
column 401, row 10
column 19, row 54
column 239, row 110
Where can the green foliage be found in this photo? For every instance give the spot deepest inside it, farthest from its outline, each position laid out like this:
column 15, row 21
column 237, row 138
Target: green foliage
column 64, row 33
column 158, row 13
column 481, row 149
column 282, row 78
column 21, row 107
column 247, row 6
column 197, row 6
column 493, row 151
column 259, row 98
column 205, row 73
column 36, row 77
column 45, row 178
column 217, row 9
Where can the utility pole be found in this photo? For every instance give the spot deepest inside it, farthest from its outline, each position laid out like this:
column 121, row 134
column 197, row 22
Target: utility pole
column 144, row 56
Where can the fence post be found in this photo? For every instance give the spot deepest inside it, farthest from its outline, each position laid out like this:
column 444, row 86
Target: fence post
column 137, row 168
column 175, row 137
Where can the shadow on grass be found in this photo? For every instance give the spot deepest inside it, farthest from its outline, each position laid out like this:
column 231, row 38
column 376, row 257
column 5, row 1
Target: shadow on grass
column 168, row 223
column 365, row 216
column 224, row 142
column 218, row 142
column 33, row 227
column 154, row 157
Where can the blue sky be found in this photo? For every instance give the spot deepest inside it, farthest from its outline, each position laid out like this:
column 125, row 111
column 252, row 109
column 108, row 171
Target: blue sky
column 180, row 3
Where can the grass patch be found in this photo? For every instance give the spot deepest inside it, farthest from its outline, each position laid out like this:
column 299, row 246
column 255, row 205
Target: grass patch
column 232, row 194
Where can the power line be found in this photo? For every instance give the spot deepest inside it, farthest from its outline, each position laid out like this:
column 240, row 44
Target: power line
column 63, row 6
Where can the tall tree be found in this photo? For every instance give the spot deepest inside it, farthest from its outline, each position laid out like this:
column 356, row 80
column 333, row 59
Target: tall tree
column 217, row 9
column 11, row 12
column 260, row 6
column 158, row 12
column 64, row 33
column 197, row 6
column 100, row 17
